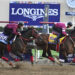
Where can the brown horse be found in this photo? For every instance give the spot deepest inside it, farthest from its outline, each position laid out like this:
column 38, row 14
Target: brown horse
column 19, row 45
column 67, row 47
column 46, row 47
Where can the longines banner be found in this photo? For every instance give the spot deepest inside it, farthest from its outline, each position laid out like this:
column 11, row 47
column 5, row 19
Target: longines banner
column 33, row 13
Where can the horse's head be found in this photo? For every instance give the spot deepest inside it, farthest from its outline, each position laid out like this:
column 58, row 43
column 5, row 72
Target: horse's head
column 34, row 33
column 30, row 32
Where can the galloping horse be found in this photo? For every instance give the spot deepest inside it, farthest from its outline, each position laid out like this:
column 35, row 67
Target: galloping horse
column 46, row 47
column 20, row 43
column 67, row 47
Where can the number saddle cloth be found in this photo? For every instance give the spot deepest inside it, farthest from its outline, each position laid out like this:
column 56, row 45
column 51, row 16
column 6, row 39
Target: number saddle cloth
column 3, row 38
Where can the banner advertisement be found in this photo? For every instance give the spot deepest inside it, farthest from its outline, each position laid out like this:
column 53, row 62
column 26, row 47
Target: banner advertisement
column 33, row 13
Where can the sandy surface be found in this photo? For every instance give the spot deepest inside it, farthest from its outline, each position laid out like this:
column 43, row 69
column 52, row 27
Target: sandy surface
column 38, row 69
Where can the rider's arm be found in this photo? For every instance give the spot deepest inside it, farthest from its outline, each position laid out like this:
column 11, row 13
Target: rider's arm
column 15, row 30
column 64, row 32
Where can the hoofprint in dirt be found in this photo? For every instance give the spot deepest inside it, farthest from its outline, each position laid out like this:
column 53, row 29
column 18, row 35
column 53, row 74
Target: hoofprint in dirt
column 38, row 69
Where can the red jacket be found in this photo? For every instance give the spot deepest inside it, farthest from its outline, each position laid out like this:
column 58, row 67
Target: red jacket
column 62, row 26
column 14, row 27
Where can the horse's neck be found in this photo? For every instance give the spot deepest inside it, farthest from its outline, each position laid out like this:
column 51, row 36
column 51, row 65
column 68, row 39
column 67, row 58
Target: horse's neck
column 72, row 33
column 68, row 40
column 26, row 34
column 19, row 40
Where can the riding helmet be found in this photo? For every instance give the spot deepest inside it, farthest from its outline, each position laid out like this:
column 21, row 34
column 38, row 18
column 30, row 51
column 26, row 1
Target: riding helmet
column 20, row 23
column 69, row 23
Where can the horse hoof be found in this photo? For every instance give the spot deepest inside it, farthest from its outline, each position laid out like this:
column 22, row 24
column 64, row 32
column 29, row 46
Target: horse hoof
column 32, row 63
column 58, row 62
column 11, row 64
column 1, row 64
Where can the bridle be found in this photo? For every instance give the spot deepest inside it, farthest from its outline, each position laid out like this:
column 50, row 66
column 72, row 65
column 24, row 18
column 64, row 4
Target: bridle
column 33, row 33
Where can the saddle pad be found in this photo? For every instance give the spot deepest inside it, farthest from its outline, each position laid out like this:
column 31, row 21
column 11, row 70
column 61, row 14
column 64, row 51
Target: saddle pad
column 52, row 38
column 3, row 38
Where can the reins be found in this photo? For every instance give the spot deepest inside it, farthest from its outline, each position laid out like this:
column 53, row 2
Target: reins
column 70, row 39
column 33, row 34
column 24, row 38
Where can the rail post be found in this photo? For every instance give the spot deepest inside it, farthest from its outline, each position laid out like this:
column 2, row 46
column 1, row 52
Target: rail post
column 46, row 18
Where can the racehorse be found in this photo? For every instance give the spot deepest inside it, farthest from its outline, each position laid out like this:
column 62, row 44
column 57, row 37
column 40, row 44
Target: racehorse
column 20, row 43
column 46, row 47
column 67, row 47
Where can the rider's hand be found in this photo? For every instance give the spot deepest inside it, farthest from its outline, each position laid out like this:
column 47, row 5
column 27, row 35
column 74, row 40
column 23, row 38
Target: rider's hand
column 67, row 34
column 19, row 34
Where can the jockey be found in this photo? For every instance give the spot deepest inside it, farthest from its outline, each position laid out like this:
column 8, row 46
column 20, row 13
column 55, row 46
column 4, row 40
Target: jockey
column 60, row 30
column 13, row 29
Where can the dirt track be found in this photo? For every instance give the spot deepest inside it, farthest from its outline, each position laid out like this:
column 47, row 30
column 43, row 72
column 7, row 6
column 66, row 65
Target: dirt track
column 38, row 69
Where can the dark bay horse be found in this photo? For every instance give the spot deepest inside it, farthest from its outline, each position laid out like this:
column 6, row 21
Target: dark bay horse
column 46, row 47
column 67, row 47
column 20, row 43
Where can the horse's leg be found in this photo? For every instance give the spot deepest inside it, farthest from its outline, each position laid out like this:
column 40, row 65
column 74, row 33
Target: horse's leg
column 65, row 56
column 5, row 59
column 50, row 57
column 44, row 53
column 1, row 54
column 62, row 55
column 17, row 53
column 29, row 51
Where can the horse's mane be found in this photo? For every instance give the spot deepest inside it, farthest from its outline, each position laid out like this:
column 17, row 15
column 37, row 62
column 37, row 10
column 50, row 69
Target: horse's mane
column 24, row 31
column 72, row 33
